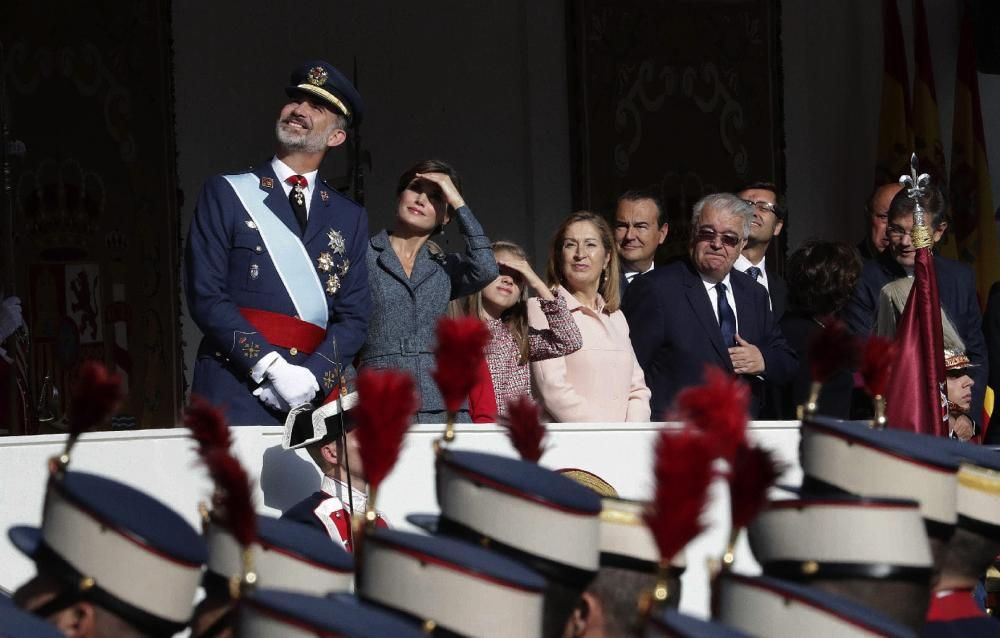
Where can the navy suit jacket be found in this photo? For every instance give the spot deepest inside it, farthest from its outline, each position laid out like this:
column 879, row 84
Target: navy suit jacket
column 957, row 292
column 675, row 333
column 227, row 267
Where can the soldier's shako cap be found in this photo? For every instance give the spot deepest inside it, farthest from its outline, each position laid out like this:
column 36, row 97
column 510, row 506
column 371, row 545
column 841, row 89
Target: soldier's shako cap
column 322, row 80
column 267, row 613
column 15, row 623
column 287, row 555
column 459, row 587
column 775, row 608
column 841, row 537
column 532, row 514
column 125, row 550
column 307, row 424
column 626, row 540
column 851, row 457
column 979, row 499
column 673, row 624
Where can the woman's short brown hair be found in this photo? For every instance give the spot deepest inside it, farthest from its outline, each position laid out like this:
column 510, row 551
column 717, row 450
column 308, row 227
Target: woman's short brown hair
column 822, row 275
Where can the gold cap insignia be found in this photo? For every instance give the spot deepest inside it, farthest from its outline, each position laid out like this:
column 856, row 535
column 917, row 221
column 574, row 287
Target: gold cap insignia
column 317, row 76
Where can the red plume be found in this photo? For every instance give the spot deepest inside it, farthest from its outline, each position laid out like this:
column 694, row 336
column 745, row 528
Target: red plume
column 235, row 496
column 233, row 505
column 527, row 434
column 682, row 469
column 719, row 407
column 96, row 393
column 752, row 472
column 208, row 427
column 387, row 401
column 459, row 353
column 876, row 365
column 832, row 350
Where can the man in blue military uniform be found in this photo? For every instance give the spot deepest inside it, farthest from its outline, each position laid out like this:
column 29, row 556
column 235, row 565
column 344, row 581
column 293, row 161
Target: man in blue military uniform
column 275, row 265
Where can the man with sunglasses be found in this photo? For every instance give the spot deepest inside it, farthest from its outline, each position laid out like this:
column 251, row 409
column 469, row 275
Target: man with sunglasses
column 693, row 313
column 767, row 223
column 956, row 283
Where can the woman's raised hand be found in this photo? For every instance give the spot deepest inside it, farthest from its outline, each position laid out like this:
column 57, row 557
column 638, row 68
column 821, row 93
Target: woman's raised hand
column 451, row 194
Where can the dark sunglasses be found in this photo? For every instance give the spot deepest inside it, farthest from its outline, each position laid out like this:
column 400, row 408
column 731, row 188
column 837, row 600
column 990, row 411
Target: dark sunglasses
column 709, row 235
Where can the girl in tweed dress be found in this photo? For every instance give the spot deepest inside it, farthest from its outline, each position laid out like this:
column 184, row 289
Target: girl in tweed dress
column 502, row 304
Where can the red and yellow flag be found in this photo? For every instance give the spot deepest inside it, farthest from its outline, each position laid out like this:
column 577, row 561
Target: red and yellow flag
column 971, row 194
column 895, row 133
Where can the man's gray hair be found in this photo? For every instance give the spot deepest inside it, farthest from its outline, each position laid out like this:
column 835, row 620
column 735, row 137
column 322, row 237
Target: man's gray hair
column 726, row 203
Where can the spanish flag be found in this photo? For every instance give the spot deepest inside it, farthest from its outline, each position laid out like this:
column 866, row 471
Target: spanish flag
column 895, row 133
column 970, row 192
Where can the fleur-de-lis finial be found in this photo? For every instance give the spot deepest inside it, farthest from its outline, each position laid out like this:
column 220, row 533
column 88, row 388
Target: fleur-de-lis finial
column 916, row 184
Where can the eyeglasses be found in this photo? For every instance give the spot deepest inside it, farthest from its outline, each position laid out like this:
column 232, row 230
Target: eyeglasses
column 897, row 232
column 764, row 207
column 710, row 235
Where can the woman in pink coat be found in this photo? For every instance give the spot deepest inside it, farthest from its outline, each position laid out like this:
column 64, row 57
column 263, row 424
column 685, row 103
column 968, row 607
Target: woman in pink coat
column 602, row 381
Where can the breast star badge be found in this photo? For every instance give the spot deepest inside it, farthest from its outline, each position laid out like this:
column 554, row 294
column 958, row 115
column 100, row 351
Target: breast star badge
column 336, row 242
column 324, row 262
column 343, row 267
column 332, row 285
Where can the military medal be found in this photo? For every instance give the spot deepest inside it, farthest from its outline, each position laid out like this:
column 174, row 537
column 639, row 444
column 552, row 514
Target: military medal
column 300, row 198
column 336, row 241
column 254, row 271
column 329, row 380
column 324, row 262
column 332, row 285
column 343, row 267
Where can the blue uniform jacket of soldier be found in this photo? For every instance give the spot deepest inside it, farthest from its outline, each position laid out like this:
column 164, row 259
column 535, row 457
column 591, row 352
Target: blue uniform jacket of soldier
column 227, row 267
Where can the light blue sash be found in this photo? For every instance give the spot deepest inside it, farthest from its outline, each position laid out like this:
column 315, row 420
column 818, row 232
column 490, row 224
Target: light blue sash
column 289, row 256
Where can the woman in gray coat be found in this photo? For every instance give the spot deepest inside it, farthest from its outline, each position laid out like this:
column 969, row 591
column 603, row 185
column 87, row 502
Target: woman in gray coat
column 411, row 281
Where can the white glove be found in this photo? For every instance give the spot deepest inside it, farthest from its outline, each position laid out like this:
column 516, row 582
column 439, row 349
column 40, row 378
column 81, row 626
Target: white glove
column 295, row 384
column 11, row 317
column 267, row 395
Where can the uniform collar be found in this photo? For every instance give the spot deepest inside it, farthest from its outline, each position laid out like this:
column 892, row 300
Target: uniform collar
column 283, row 172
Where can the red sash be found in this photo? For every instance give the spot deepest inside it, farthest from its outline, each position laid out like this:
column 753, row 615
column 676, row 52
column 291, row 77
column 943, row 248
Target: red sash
column 288, row 332
column 284, row 331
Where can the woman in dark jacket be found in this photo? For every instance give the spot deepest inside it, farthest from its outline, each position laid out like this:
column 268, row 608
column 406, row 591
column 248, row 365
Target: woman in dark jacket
column 411, row 281
column 821, row 276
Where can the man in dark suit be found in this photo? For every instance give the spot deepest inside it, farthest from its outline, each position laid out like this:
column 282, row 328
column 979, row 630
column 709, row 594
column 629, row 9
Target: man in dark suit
column 956, row 284
column 694, row 312
column 275, row 265
column 877, row 215
column 639, row 230
column 769, row 215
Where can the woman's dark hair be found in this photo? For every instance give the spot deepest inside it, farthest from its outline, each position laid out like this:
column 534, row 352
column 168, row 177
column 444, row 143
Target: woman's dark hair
column 821, row 276
column 609, row 284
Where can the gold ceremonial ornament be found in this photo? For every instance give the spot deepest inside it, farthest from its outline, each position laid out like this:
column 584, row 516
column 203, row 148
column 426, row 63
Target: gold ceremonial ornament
column 317, row 76
column 332, row 285
column 337, row 243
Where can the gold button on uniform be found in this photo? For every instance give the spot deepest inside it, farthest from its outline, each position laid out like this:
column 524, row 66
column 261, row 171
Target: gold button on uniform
column 293, row 351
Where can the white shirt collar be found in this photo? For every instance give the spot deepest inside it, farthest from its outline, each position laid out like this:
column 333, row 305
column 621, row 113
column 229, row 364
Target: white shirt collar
column 630, row 274
column 742, row 263
column 283, row 172
column 709, row 285
column 338, row 489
